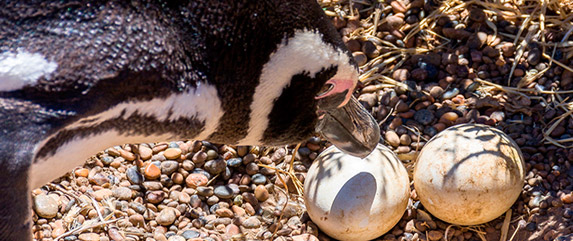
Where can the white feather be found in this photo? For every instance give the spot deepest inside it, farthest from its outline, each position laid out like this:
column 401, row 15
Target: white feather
column 23, row 69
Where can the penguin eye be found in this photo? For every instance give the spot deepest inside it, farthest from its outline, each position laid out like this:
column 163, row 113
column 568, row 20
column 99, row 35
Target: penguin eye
column 325, row 89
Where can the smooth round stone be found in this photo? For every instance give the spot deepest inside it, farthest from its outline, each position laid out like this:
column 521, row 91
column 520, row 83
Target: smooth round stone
column 234, row 162
column 107, row 160
column 134, row 176
column 172, row 153
column 155, row 197
column 205, row 191
column 189, row 234
column 166, row 217
column 215, row 166
column 352, row 198
column 199, row 158
column 223, row 192
column 195, row 180
column 89, row 237
column 252, row 222
column 137, row 220
column 102, row 194
column 45, row 206
column 469, row 174
column 176, row 238
column 152, row 171
column 145, row 152
column 169, row 167
column 261, row 193
column 259, row 179
column 122, row 193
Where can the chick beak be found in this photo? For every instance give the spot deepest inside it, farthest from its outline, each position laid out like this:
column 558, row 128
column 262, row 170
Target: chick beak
column 345, row 122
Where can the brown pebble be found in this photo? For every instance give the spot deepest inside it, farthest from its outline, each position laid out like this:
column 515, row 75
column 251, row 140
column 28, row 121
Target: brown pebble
column 145, row 152
column 392, row 138
column 449, row 117
column 405, row 139
column 306, row 236
column 261, row 193
column 115, row 235
column 224, row 212
column 102, row 194
column 195, row 180
column 152, row 171
column 137, row 220
column 82, row 172
column 435, row 235
column 129, row 156
column 396, row 122
column 58, row 228
column 239, row 211
column 159, row 147
column 567, row 198
column 398, row 6
column 89, row 237
column 401, row 75
column 172, row 153
column 360, row 58
column 518, row 72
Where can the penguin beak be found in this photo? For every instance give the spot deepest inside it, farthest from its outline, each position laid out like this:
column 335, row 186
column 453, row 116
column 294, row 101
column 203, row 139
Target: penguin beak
column 345, row 122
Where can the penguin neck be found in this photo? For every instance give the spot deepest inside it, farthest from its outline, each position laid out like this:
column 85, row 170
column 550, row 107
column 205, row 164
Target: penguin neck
column 190, row 114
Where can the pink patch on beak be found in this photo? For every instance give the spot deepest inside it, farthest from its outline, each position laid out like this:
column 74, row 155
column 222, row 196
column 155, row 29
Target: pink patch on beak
column 339, row 86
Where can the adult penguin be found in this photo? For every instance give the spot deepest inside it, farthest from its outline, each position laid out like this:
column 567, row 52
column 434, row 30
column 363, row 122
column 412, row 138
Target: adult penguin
column 79, row 76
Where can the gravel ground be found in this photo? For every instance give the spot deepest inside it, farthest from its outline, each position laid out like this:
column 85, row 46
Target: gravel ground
column 425, row 66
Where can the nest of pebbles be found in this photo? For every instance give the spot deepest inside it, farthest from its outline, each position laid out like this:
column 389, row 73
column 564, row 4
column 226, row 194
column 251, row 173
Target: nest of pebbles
column 425, row 65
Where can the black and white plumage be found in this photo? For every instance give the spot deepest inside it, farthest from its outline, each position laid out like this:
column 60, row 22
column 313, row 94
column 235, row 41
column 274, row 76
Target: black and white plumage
column 79, row 76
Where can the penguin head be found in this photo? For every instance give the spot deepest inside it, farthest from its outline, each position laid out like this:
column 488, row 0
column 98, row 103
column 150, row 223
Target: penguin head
column 304, row 78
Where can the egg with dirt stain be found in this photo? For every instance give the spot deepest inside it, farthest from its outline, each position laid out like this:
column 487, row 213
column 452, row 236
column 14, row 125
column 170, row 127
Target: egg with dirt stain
column 469, row 174
column 352, row 198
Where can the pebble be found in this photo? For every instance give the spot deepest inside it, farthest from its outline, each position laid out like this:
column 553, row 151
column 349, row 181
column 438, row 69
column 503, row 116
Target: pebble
column 102, row 194
column 215, row 166
column 360, row 58
column 145, row 152
column 252, row 222
column 424, row 117
column 392, row 138
column 137, row 220
column 259, row 179
column 58, row 228
column 195, row 180
column 234, row 162
column 134, row 176
column 567, row 198
column 252, row 168
column 176, row 238
column 45, row 206
column 82, row 172
column 152, row 171
column 127, row 155
column 261, row 193
column 169, row 167
column 224, row 192
column 89, row 237
column 122, row 193
column 166, row 217
column 172, row 153
column 205, row 191
column 155, row 197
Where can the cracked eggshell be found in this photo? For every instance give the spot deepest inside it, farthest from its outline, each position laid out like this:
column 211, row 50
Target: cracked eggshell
column 469, row 174
column 350, row 198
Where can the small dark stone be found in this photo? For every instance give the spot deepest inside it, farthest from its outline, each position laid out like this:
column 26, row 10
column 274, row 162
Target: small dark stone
column 224, row 192
column 205, row 191
column 424, row 117
column 234, row 162
column 259, row 179
column 134, row 176
column 531, row 227
column 215, row 166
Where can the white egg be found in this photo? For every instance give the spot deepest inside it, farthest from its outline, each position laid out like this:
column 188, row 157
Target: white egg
column 469, row 174
column 350, row 198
